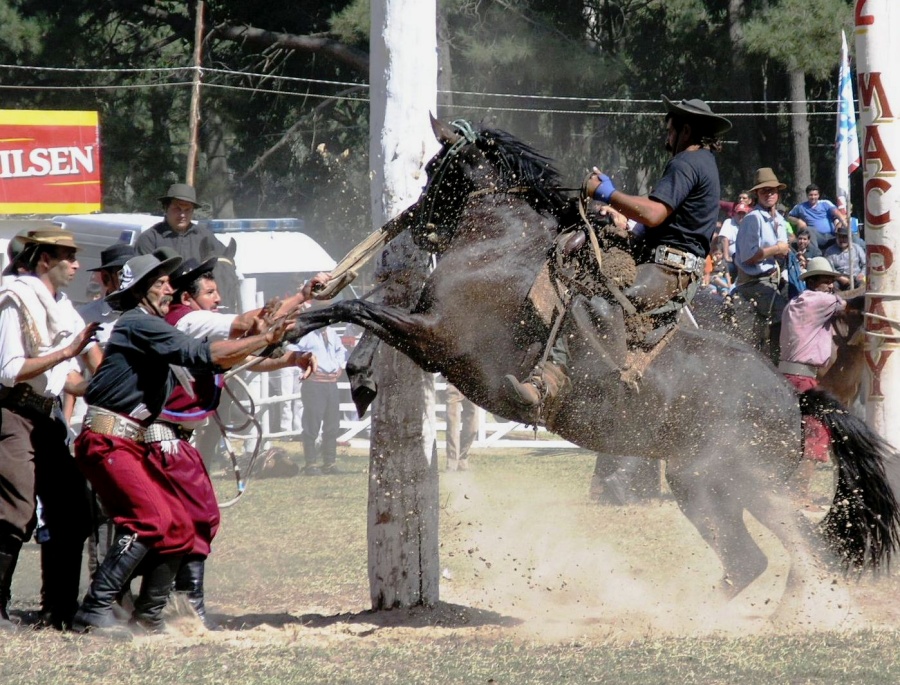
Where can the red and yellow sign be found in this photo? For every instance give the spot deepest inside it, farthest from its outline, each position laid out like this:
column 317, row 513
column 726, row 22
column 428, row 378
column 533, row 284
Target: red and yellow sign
column 49, row 162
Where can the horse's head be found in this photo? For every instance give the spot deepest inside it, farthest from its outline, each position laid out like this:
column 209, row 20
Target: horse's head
column 225, row 271
column 473, row 163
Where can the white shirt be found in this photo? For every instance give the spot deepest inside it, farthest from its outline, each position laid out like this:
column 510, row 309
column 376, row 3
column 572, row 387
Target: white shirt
column 204, row 325
column 13, row 354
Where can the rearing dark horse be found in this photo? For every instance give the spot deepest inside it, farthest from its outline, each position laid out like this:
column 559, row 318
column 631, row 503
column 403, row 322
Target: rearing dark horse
column 492, row 212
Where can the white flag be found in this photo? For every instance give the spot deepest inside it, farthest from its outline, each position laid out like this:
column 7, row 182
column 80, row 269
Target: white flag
column 846, row 141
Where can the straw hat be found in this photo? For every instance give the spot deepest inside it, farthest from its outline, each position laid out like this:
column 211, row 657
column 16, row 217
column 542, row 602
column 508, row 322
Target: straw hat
column 818, row 266
column 766, row 178
column 24, row 243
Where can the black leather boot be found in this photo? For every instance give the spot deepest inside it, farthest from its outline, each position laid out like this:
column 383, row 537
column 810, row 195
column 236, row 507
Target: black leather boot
column 60, row 576
column 189, row 581
column 113, row 575
column 8, row 561
column 155, row 590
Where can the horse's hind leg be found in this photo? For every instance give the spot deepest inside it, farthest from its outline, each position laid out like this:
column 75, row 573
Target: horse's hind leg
column 717, row 513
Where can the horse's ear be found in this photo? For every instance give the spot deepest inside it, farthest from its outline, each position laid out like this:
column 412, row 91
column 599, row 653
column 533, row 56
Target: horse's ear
column 209, row 247
column 230, row 249
column 444, row 134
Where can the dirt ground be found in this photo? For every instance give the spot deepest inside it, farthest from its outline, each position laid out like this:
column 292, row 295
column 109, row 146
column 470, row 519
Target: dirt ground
column 524, row 553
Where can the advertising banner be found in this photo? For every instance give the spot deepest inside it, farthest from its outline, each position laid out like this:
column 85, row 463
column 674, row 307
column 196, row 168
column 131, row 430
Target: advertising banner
column 49, row 162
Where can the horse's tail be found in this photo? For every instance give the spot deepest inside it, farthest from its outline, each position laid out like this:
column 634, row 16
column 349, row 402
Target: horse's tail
column 863, row 524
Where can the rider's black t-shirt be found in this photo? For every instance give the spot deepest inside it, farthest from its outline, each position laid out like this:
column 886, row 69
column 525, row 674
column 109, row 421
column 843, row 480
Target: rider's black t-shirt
column 690, row 186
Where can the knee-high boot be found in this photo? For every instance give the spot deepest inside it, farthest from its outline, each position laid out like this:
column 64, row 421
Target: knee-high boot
column 61, row 576
column 113, row 575
column 8, row 560
column 189, row 581
column 155, row 590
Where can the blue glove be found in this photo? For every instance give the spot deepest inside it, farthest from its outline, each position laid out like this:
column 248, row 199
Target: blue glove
column 605, row 190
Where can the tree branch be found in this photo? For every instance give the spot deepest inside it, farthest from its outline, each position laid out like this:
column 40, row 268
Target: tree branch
column 351, row 56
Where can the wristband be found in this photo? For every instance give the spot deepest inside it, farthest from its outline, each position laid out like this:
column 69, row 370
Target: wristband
column 604, row 191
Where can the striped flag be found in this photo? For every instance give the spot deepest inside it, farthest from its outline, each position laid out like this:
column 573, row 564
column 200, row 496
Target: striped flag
column 846, row 141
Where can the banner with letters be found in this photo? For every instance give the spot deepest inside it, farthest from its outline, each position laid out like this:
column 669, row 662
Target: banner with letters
column 49, row 162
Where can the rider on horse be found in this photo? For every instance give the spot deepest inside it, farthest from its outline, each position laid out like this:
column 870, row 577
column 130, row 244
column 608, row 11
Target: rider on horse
column 676, row 223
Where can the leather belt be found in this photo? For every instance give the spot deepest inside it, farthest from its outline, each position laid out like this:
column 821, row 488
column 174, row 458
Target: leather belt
column 23, row 396
column 163, row 430
column 109, row 423
column 798, row 369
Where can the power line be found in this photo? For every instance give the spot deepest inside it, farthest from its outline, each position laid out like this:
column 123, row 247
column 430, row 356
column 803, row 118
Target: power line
column 345, row 84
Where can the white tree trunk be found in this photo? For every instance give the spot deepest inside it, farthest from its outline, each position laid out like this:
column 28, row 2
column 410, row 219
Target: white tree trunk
column 877, row 34
column 403, row 477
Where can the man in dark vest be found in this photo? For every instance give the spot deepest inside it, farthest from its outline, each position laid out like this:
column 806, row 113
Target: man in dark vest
column 124, row 397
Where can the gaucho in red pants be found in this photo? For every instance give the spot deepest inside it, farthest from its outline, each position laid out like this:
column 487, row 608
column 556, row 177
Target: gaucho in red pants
column 153, row 527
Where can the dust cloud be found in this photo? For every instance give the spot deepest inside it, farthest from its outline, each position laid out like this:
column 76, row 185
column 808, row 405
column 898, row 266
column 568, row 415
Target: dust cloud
column 572, row 569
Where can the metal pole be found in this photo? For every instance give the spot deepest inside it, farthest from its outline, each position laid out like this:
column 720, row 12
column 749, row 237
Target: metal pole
column 877, row 30
column 195, row 96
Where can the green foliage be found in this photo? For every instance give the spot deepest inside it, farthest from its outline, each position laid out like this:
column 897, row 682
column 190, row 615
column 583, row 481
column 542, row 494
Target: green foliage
column 352, row 23
column 800, row 34
column 19, row 36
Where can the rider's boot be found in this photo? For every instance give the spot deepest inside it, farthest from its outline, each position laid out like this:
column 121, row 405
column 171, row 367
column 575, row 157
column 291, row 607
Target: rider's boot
column 545, row 383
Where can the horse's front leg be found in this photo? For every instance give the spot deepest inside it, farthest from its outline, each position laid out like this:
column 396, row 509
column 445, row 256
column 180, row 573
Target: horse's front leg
column 416, row 335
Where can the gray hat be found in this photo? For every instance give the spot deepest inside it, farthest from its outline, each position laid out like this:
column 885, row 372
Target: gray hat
column 818, row 266
column 115, row 256
column 138, row 273
column 697, row 111
column 181, row 191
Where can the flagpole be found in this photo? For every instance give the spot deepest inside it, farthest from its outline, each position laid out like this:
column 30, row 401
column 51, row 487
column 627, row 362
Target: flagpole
column 846, row 140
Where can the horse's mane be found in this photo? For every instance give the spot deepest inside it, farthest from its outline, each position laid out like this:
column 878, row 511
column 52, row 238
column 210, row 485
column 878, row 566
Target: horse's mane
column 520, row 165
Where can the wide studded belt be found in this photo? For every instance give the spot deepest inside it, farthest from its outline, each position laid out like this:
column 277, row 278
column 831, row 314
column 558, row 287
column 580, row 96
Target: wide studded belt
column 163, row 430
column 106, row 422
column 678, row 259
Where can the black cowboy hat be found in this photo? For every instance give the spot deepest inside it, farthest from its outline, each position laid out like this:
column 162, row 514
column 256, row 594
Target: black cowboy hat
column 115, row 256
column 190, row 270
column 138, row 273
column 180, row 191
column 697, row 111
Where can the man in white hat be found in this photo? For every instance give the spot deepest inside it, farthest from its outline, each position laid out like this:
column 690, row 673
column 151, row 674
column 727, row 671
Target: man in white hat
column 40, row 336
column 676, row 223
column 806, row 347
column 760, row 249
column 124, row 397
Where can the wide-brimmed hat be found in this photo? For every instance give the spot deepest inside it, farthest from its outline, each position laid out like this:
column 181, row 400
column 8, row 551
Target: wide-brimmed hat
column 115, row 256
column 24, row 243
column 190, row 270
column 818, row 266
column 698, row 112
column 138, row 273
column 766, row 178
column 180, row 191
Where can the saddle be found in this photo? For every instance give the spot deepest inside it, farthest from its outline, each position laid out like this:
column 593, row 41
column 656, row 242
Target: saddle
column 604, row 270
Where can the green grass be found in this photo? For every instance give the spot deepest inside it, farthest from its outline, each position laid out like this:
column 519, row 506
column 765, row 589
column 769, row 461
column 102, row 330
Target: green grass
column 535, row 592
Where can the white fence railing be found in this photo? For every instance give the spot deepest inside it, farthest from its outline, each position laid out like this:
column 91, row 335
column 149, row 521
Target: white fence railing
column 355, row 432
